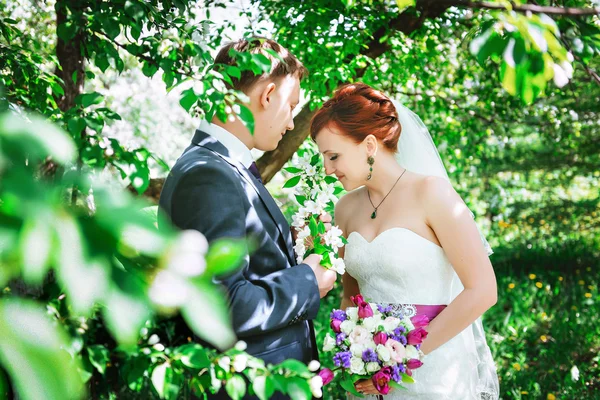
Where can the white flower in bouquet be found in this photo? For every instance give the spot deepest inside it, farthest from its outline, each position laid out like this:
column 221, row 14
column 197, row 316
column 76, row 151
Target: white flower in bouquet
column 372, row 323
column 370, row 344
column 357, row 366
column 347, row 326
column 391, row 323
column 383, row 353
column 372, row 367
column 316, row 386
column 328, row 343
column 359, row 335
column 333, row 238
column 352, row 313
column 311, row 170
column 412, row 352
column 357, row 349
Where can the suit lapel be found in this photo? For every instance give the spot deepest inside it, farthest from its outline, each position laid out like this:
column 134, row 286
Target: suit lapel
column 205, row 140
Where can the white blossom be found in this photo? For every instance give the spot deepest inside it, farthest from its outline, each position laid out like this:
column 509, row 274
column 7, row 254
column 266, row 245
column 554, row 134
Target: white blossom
column 352, row 313
column 347, row 326
column 372, row 367
column 383, row 353
column 328, row 343
column 357, row 366
column 316, row 386
column 240, row 362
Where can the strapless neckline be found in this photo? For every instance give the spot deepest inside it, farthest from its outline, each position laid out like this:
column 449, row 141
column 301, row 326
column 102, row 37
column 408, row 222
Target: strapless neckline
column 400, row 229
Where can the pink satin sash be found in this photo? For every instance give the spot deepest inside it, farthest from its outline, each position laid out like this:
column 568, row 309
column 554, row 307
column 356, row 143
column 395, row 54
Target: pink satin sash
column 431, row 311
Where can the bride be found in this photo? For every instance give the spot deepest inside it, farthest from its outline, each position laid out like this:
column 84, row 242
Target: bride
column 412, row 241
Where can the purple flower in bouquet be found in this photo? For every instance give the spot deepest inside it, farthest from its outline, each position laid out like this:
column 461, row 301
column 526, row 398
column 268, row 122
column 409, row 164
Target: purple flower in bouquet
column 339, row 315
column 339, row 338
column 400, row 339
column 384, row 309
column 420, row 321
column 335, row 325
column 342, row 359
column 369, row 355
column 365, row 310
column 380, row 338
column 413, row 363
column 327, row 375
column 396, row 372
column 416, row 336
column 399, row 331
column 382, row 379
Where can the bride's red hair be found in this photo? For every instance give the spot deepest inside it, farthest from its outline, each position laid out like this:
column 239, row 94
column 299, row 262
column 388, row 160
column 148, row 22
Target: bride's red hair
column 358, row 110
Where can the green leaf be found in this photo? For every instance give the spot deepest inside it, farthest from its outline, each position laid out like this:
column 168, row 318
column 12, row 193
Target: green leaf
column 312, row 224
column 76, row 125
column 293, row 170
column 263, row 387
column 208, row 303
column 188, row 99
column 233, row 71
column 236, row 387
column 101, row 61
column 407, row 378
column 330, row 179
column 225, row 256
column 32, row 349
column 348, row 385
column 99, row 357
column 193, row 355
column 158, row 378
column 292, row 182
column 298, row 389
column 294, row 365
column 402, row 4
column 246, row 117
column 88, row 99
column 36, row 234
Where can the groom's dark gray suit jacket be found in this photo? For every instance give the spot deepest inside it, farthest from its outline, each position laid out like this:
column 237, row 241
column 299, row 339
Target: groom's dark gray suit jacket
column 272, row 299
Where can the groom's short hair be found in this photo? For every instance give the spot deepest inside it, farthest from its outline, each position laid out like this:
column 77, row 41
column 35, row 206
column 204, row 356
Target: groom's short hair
column 285, row 64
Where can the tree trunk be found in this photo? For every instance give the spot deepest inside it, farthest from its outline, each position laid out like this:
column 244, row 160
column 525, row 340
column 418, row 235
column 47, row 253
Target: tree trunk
column 70, row 58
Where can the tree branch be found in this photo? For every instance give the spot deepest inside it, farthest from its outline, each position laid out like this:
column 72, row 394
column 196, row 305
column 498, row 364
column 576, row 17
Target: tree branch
column 533, row 8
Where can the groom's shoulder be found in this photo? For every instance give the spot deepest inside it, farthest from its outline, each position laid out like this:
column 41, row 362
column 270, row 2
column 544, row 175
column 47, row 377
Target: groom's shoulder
column 198, row 160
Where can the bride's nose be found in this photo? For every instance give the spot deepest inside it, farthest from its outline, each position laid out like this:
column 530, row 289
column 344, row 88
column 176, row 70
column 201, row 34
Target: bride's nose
column 328, row 169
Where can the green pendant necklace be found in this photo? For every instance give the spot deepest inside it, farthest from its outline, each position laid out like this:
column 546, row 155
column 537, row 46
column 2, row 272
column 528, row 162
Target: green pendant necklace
column 374, row 214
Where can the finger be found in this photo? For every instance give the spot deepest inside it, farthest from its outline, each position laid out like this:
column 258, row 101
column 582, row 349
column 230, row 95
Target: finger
column 325, row 218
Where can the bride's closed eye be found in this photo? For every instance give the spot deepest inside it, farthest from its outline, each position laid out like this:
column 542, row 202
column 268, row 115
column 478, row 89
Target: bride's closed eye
column 334, row 157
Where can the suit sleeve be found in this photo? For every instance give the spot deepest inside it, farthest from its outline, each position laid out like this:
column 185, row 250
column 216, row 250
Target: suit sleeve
column 213, row 202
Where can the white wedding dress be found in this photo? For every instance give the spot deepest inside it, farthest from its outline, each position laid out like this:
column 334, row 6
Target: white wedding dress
column 401, row 267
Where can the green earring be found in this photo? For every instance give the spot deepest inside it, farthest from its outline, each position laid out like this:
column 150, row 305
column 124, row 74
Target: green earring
column 370, row 161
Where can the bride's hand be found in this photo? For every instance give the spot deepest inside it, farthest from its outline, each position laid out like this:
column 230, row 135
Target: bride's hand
column 366, row 386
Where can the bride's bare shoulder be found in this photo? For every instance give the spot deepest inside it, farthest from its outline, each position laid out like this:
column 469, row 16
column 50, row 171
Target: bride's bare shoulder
column 348, row 202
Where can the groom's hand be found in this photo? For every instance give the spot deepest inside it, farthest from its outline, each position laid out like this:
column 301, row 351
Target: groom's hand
column 325, row 277
column 326, row 220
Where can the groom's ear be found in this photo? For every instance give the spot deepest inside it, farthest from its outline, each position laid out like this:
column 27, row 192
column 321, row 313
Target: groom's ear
column 266, row 95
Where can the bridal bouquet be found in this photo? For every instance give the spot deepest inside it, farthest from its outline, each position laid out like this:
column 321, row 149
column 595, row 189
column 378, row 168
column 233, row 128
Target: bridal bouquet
column 316, row 194
column 375, row 342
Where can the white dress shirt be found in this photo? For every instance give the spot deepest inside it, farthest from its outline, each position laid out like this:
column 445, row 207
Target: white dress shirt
column 237, row 149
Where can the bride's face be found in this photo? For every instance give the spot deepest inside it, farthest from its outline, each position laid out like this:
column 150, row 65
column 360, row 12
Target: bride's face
column 344, row 158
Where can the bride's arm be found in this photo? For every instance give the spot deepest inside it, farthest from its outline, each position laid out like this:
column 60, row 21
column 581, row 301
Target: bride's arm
column 349, row 284
column 455, row 228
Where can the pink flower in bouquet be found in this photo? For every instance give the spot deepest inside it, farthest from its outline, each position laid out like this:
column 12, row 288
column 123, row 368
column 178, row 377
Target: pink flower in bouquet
column 380, row 338
column 327, row 375
column 382, row 379
column 397, row 351
column 365, row 310
column 420, row 321
column 335, row 325
column 357, row 300
column 416, row 336
column 359, row 335
column 413, row 363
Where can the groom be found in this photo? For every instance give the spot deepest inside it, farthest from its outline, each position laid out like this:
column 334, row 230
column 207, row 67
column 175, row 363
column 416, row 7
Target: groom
column 216, row 189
